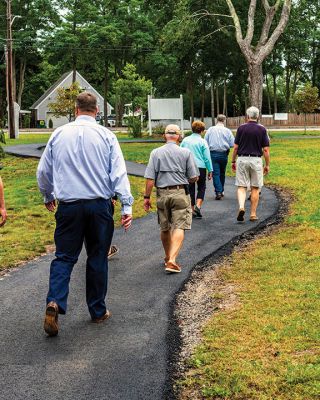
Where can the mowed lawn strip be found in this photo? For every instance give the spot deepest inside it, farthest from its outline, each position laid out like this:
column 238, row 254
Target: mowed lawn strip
column 267, row 346
column 29, row 229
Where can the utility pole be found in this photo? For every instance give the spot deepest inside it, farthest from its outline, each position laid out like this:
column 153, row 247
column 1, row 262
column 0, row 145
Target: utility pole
column 11, row 122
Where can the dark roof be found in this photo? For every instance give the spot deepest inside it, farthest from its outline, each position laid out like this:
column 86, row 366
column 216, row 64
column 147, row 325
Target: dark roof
column 51, row 89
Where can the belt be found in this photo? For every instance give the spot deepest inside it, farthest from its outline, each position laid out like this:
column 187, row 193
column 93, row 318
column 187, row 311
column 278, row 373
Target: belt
column 219, row 151
column 173, row 187
column 79, row 201
column 248, row 155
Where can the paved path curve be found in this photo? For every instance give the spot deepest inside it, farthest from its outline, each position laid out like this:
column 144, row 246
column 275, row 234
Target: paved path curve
column 127, row 357
column 35, row 151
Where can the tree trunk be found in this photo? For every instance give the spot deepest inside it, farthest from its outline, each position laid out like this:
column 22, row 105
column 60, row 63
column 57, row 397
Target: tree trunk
column 106, row 87
column 225, row 105
column 256, row 54
column 23, row 64
column 74, row 68
column 212, row 103
column 275, row 95
column 268, row 94
column 255, row 85
column 295, row 81
column 218, row 100
column 203, row 99
column 14, row 77
column 191, row 95
column 288, row 91
column 245, row 99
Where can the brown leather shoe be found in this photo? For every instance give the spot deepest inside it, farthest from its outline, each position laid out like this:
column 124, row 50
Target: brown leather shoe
column 106, row 316
column 172, row 267
column 50, row 325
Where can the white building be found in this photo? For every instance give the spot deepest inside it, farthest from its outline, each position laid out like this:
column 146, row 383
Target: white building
column 40, row 109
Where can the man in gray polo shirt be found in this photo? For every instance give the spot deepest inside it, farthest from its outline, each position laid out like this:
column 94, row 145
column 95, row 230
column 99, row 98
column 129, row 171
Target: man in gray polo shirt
column 171, row 169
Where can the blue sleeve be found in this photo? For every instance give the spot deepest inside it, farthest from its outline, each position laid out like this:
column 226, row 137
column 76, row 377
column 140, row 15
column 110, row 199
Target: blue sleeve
column 207, row 156
column 45, row 174
column 119, row 178
column 231, row 139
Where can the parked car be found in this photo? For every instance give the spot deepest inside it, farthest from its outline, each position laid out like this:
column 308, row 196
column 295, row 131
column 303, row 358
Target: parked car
column 111, row 121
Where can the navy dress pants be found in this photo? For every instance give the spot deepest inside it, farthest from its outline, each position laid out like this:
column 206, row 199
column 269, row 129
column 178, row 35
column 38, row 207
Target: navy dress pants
column 88, row 221
column 219, row 165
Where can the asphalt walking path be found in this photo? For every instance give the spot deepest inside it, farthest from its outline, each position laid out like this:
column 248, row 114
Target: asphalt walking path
column 125, row 358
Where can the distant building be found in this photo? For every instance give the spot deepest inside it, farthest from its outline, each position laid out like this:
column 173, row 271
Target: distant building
column 41, row 114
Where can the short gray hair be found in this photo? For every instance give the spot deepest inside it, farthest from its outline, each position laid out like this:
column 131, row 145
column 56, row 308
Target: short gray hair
column 221, row 118
column 253, row 113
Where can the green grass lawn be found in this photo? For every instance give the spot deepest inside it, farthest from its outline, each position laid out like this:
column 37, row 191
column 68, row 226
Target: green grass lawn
column 28, row 139
column 268, row 346
column 31, row 138
column 285, row 134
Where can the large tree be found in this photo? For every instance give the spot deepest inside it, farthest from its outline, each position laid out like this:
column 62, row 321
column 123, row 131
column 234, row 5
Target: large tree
column 256, row 53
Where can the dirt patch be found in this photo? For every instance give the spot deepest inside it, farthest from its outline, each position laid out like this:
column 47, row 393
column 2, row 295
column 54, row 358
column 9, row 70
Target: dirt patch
column 205, row 293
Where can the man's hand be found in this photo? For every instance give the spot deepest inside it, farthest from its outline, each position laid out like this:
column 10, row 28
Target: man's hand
column 51, row 206
column 266, row 170
column 210, row 176
column 234, row 167
column 3, row 214
column 126, row 221
column 147, row 204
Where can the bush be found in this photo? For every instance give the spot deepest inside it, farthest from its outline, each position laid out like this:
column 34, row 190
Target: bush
column 158, row 130
column 26, row 121
column 50, row 123
column 2, row 140
column 134, row 126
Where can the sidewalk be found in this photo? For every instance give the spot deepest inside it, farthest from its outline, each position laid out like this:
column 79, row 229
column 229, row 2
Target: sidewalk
column 126, row 357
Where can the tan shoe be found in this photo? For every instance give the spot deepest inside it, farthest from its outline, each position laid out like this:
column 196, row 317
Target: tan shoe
column 50, row 325
column 113, row 251
column 172, row 267
column 254, row 218
column 106, row 316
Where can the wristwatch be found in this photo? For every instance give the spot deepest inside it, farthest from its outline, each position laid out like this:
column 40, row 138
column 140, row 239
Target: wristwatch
column 146, row 197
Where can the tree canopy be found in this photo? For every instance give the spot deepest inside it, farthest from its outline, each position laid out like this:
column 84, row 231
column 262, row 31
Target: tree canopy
column 198, row 48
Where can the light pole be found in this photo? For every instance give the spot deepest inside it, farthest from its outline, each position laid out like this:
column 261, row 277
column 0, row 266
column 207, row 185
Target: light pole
column 11, row 122
column 10, row 100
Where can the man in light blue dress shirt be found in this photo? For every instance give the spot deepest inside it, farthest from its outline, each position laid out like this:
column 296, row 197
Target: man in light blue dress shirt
column 82, row 167
column 220, row 139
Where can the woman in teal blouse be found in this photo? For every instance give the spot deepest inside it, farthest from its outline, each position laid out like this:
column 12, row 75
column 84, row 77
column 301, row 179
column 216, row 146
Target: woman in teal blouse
column 201, row 153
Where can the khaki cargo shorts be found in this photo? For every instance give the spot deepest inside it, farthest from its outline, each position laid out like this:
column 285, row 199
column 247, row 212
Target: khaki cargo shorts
column 249, row 172
column 174, row 209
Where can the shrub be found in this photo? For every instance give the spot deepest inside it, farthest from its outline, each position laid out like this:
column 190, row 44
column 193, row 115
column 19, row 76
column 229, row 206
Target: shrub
column 158, row 130
column 134, row 126
column 2, row 140
column 50, row 123
column 26, row 121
